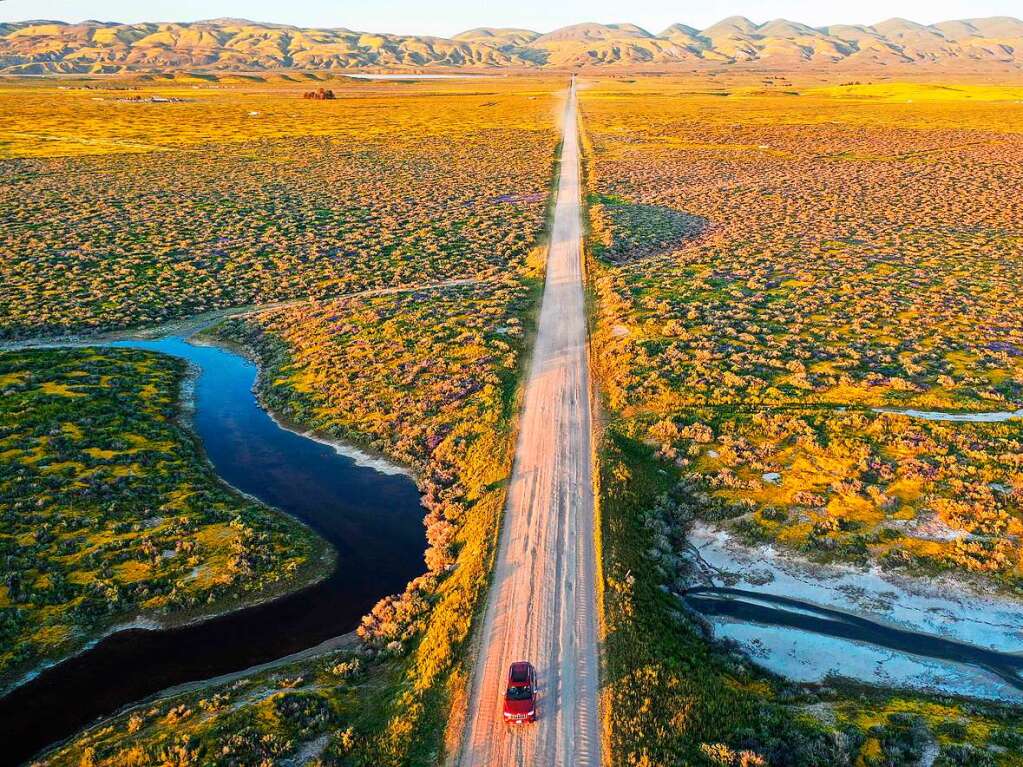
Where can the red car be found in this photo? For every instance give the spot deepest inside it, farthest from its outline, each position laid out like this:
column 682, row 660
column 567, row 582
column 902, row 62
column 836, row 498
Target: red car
column 520, row 697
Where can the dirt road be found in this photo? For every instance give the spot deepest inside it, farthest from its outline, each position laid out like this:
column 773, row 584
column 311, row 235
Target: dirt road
column 542, row 606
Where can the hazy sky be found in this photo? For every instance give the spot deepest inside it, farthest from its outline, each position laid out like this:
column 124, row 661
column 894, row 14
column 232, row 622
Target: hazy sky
column 446, row 17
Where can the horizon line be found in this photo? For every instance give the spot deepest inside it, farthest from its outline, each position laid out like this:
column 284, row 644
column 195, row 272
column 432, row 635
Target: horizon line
column 737, row 17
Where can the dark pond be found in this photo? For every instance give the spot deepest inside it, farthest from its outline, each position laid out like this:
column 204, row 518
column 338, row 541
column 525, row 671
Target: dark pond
column 373, row 520
column 774, row 610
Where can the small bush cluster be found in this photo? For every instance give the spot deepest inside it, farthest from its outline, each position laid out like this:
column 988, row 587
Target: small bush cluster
column 320, row 94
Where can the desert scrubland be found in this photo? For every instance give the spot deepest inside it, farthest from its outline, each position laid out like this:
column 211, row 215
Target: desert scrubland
column 124, row 213
column 773, row 266
column 780, row 266
column 225, row 197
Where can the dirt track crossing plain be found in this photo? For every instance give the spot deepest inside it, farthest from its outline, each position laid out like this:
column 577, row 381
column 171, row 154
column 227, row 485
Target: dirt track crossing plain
column 542, row 605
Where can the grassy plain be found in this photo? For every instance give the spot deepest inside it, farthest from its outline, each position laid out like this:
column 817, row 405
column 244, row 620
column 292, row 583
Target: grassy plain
column 853, row 253
column 770, row 263
column 110, row 511
column 122, row 213
column 768, row 267
column 453, row 181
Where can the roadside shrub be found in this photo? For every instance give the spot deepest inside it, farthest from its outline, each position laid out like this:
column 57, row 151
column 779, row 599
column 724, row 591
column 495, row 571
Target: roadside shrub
column 902, row 740
column 964, row 755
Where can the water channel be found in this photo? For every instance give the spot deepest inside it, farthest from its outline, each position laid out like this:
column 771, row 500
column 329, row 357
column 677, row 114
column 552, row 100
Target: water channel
column 372, row 517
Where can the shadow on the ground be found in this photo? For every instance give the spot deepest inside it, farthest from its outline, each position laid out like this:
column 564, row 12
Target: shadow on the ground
column 625, row 231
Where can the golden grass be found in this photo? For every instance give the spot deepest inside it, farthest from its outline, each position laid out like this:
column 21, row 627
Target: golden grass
column 854, row 245
column 855, row 254
column 66, row 121
column 252, row 195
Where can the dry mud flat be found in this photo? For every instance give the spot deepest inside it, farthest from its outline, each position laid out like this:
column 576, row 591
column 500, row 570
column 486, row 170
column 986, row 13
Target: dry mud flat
column 542, row 605
column 935, row 607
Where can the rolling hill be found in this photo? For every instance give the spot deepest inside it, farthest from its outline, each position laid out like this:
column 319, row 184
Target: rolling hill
column 97, row 47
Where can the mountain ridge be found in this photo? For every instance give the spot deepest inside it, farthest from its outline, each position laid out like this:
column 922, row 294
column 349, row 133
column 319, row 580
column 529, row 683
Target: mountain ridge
column 228, row 44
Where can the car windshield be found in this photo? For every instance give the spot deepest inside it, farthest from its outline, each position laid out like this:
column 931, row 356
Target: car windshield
column 519, row 693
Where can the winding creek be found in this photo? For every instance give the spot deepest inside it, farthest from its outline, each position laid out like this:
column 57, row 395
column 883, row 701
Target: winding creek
column 936, row 415
column 370, row 513
column 811, row 621
column 783, row 612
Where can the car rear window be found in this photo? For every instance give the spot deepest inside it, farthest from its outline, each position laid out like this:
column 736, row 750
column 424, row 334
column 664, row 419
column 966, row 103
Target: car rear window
column 519, row 674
